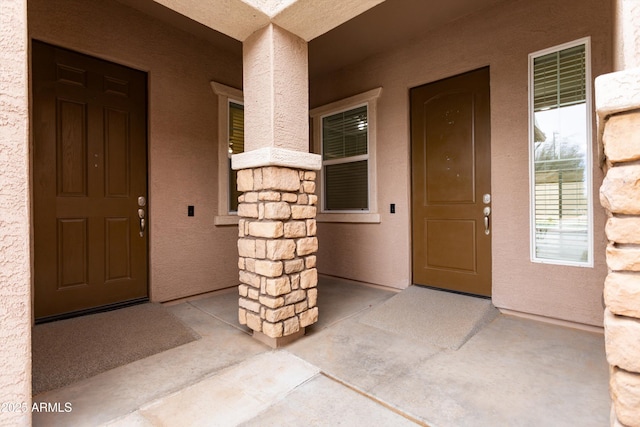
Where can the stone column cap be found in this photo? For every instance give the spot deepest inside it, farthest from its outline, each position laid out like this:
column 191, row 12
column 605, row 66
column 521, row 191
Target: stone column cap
column 273, row 156
column 617, row 92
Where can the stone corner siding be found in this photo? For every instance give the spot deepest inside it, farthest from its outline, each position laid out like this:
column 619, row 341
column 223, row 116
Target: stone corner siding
column 277, row 244
column 620, row 196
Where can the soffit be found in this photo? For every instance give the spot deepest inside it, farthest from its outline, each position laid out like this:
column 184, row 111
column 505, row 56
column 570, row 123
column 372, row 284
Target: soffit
column 309, row 19
column 185, row 23
column 383, row 27
column 235, row 18
column 239, row 19
column 271, row 7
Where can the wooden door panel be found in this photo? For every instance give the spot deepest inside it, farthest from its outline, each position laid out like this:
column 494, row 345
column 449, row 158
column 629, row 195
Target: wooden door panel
column 90, row 167
column 449, row 133
column 71, row 148
column 117, row 249
column 117, row 159
column 450, row 139
column 73, row 255
column 71, row 75
column 450, row 245
column 116, row 86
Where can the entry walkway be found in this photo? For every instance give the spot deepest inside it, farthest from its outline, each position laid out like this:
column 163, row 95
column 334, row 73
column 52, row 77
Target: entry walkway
column 350, row 370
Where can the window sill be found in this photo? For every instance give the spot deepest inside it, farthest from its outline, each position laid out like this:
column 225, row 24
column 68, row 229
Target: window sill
column 226, row 220
column 363, row 218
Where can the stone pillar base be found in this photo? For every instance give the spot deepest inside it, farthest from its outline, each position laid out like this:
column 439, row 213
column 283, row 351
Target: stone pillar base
column 280, row 341
column 277, row 244
column 619, row 127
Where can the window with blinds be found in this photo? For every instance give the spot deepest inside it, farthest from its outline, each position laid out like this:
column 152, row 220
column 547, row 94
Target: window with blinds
column 345, row 160
column 560, row 157
column 236, row 145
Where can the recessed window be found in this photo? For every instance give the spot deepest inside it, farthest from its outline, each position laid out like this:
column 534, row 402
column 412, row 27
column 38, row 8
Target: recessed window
column 560, row 155
column 230, row 142
column 236, row 146
column 345, row 160
column 344, row 133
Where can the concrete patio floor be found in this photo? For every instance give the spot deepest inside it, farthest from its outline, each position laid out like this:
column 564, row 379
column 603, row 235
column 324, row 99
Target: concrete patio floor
column 512, row 372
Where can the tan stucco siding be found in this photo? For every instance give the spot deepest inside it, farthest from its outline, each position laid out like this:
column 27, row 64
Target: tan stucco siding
column 502, row 38
column 627, row 34
column 187, row 255
column 15, row 258
column 276, row 90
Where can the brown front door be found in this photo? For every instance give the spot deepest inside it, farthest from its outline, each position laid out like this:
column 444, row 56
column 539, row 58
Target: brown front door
column 89, row 181
column 451, row 177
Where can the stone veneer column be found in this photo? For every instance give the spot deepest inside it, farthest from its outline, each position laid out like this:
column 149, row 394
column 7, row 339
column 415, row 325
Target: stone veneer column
column 276, row 246
column 276, row 174
column 618, row 107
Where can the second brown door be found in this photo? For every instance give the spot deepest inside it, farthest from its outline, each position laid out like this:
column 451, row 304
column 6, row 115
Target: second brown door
column 451, row 179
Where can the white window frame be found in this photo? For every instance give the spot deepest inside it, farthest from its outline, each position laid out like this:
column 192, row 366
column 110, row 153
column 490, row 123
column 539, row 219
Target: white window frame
column 226, row 95
column 369, row 99
column 588, row 160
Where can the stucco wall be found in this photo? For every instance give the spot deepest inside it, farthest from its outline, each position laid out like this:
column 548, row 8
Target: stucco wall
column 627, row 34
column 15, row 261
column 501, row 37
column 187, row 255
column 276, row 95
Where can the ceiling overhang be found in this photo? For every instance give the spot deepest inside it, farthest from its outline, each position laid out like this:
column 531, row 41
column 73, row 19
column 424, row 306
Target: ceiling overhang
column 339, row 32
column 239, row 19
column 309, row 19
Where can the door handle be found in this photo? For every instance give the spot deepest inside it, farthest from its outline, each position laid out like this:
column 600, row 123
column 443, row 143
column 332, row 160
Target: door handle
column 142, row 221
column 486, row 212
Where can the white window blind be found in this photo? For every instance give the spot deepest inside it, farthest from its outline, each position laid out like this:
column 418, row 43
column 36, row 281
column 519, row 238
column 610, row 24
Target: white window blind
column 236, row 145
column 345, row 160
column 561, row 155
column 559, row 79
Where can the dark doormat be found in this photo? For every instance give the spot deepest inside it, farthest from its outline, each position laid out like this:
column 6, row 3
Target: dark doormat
column 70, row 350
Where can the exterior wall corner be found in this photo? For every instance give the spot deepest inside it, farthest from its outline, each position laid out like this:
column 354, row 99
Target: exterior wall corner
column 15, row 262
